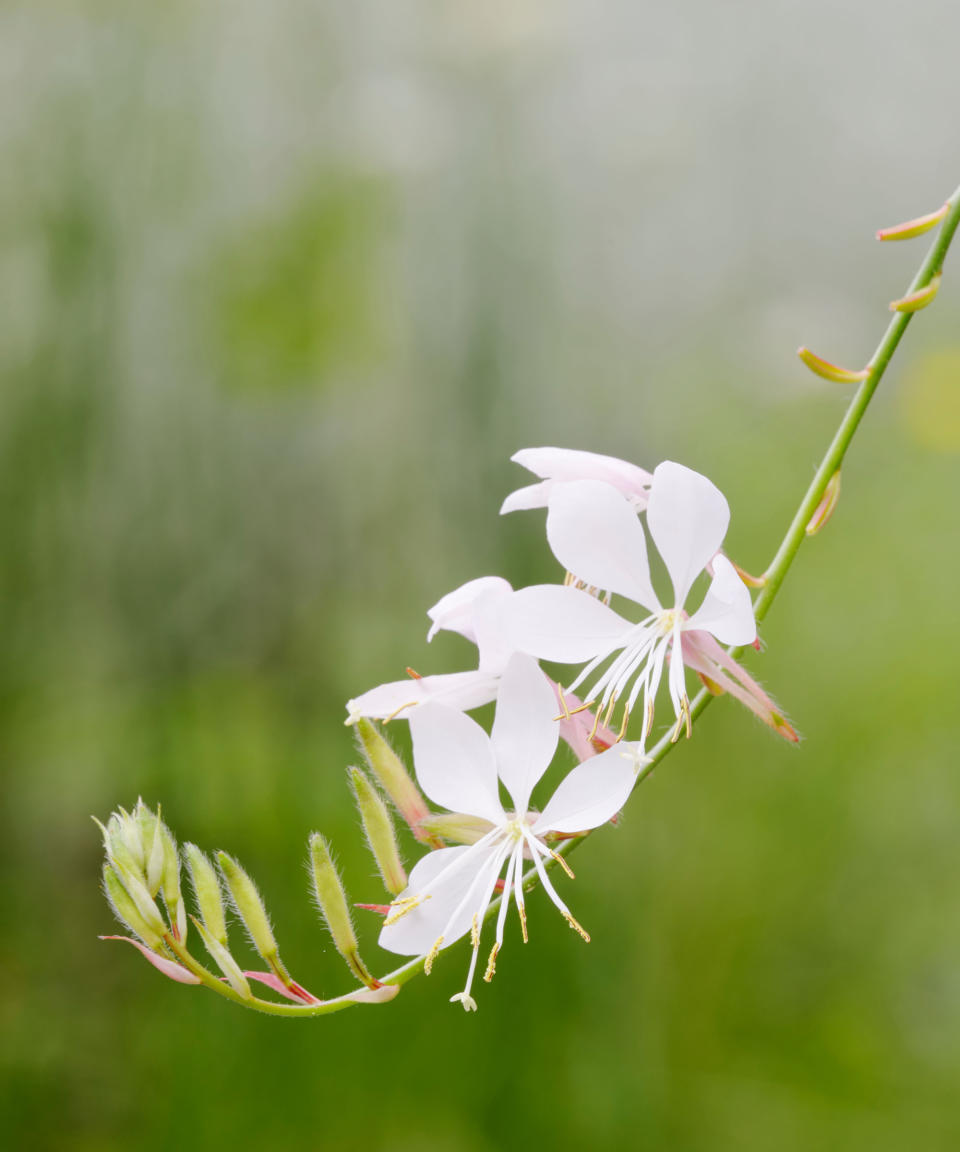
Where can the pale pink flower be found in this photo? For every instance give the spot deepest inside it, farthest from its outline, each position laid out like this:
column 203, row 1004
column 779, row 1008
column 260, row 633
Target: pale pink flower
column 596, row 536
column 557, row 465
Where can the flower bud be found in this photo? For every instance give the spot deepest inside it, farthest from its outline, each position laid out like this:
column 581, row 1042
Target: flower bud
column 248, row 903
column 828, row 502
column 388, row 768
column 206, row 887
column 136, row 889
column 148, row 824
column 381, row 836
column 828, row 371
column 456, row 826
column 919, row 299
column 126, row 910
column 225, row 962
column 332, row 905
column 910, row 228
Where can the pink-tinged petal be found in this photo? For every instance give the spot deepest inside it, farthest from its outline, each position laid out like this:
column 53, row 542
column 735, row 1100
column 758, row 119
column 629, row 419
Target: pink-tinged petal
column 727, row 610
column 596, row 535
column 454, row 612
column 161, row 963
column 703, row 654
column 579, row 729
column 525, row 732
column 687, row 517
column 442, row 879
column 552, row 464
column 593, row 793
column 454, row 762
column 460, row 690
column 294, row 992
column 555, row 622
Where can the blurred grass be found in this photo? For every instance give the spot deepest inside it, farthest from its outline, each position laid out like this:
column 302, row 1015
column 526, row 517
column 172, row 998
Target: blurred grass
column 264, row 359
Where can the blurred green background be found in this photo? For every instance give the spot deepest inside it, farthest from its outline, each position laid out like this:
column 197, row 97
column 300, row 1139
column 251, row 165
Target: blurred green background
column 282, row 286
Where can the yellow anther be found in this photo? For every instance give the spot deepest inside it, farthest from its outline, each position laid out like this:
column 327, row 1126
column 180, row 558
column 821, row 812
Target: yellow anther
column 577, row 928
column 623, row 726
column 491, row 964
column 563, row 864
column 402, row 907
column 523, row 923
column 475, row 932
column 432, row 955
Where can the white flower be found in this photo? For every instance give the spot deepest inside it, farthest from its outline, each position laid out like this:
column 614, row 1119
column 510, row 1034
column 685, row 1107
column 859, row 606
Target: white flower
column 470, row 610
column 596, row 535
column 555, row 465
column 461, row 768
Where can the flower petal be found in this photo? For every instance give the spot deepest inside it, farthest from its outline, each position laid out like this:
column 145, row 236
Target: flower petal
column 292, row 991
column 552, row 464
column 454, row 762
column 525, row 732
column 687, row 517
column 161, row 963
column 460, row 690
column 595, row 534
column 454, row 612
column 593, row 792
column 727, row 610
column 532, row 496
column 443, row 878
column 554, row 622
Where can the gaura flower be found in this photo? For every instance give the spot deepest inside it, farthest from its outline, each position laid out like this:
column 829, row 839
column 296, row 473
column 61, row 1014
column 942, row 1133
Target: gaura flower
column 556, row 465
column 460, row 768
column 470, row 610
column 597, row 537
column 473, row 611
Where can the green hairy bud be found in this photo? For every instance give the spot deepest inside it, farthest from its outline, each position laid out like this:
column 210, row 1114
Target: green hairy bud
column 332, row 903
column 249, row 904
column 381, row 836
column 206, row 887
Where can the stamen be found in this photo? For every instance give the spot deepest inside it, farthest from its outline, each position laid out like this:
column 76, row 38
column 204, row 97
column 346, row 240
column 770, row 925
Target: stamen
column 623, row 726
column 563, row 864
column 475, row 932
column 576, row 927
column 491, row 964
column 402, row 906
column 396, row 712
column 432, row 955
column 523, row 919
column 413, row 675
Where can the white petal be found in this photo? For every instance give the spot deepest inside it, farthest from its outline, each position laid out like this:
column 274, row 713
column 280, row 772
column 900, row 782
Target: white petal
column 454, row 762
column 525, row 732
column 687, row 517
column 417, row 930
column 461, row 690
column 595, row 534
column 532, row 496
column 574, row 464
column 454, row 612
column 592, row 793
column 726, row 610
column 554, row 622
column 493, row 647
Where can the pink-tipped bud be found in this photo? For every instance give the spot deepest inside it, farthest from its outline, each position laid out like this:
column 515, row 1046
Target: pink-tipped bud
column 393, row 776
column 828, row 371
column 919, row 299
column 828, row 502
column 910, row 228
